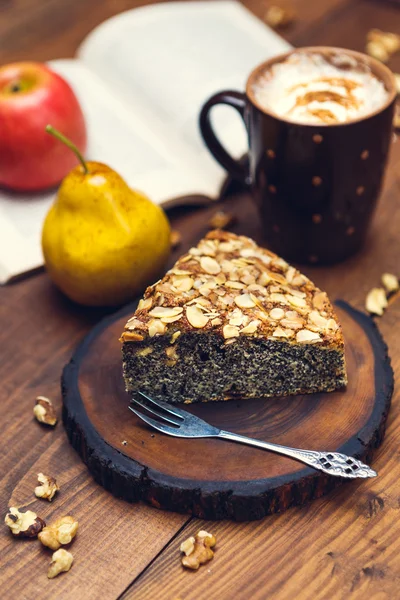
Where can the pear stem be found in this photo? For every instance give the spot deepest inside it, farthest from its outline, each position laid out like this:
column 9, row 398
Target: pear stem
column 57, row 134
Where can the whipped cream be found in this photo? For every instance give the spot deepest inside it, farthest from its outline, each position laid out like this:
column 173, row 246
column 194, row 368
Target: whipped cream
column 310, row 88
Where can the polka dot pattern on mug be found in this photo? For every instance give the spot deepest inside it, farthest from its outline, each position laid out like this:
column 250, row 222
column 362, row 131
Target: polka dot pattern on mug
column 317, row 138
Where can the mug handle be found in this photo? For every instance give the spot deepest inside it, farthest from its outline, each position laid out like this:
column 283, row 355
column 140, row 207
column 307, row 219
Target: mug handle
column 238, row 170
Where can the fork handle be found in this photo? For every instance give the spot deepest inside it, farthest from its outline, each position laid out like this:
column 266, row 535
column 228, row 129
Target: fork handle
column 297, row 454
column 332, row 463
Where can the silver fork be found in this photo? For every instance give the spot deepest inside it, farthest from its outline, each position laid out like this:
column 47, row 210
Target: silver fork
column 180, row 423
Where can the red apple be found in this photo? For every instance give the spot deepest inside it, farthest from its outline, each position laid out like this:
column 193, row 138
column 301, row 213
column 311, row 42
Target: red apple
column 31, row 96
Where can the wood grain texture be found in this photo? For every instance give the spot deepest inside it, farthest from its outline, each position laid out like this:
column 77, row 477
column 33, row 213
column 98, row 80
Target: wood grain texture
column 343, row 546
column 137, row 463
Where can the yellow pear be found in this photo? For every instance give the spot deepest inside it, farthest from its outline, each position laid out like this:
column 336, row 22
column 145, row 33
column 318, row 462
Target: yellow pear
column 103, row 242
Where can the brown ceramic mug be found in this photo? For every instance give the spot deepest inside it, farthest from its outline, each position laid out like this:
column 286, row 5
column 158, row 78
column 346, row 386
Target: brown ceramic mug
column 316, row 185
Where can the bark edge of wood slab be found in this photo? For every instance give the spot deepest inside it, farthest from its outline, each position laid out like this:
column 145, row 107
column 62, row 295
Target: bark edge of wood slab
column 94, row 405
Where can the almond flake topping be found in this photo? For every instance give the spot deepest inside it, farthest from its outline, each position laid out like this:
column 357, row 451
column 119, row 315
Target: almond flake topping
column 210, row 265
column 278, row 298
column 215, row 322
column 196, row 317
column 182, row 284
column 295, row 301
column 145, row 303
column 251, row 327
column 277, row 313
column 263, row 279
column 229, row 284
column 230, row 331
column 279, row 332
column 235, row 285
column 166, row 311
column 319, row 300
column 318, row 320
column 292, row 323
column 306, row 336
column 245, row 301
column 156, row 327
column 171, row 319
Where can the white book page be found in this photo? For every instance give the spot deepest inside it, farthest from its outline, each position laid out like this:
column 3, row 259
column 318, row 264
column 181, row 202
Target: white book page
column 149, row 158
column 166, row 60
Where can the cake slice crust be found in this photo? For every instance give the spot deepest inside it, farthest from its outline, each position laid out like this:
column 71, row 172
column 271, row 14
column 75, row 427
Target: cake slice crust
column 232, row 319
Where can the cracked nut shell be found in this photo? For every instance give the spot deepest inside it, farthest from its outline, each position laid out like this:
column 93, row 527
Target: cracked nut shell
column 58, row 534
column 24, row 524
column 61, row 561
column 47, row 488
column 44, row 411
column 197, row 550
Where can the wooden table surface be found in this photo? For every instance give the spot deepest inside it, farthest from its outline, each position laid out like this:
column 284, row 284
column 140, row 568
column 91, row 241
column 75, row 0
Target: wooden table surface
column 346, row 545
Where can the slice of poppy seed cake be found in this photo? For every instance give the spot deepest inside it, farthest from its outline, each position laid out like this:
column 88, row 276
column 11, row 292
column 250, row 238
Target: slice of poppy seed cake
column 232, row 319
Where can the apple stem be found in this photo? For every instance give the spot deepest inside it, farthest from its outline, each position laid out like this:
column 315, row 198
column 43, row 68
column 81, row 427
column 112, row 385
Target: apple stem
column 57, row 134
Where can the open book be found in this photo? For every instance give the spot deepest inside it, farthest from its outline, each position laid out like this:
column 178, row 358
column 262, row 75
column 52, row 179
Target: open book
column 141, row 78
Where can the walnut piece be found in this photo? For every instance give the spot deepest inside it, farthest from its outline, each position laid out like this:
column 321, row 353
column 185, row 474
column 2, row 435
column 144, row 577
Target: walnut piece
column 44, row 411
column 59, row 533
column 23, row 524
column 390, row 283
column 175, row 238
column 279, row 16
column 378, row 51
column 197, row 550
column 47, row 488
column 382, row 44
column 221, row 220
column 376, row 301
column 61, row 561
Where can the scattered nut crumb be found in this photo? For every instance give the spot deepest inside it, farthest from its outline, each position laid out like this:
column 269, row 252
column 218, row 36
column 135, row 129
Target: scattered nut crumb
column 197, row 550
column 61, row 561
column 221, row 220
column 390, row 283
column 175, row 238
column 378, row 51
column 60, row 533
column 376, row 301
column 124, row 443
column 390, row 41
column 48, row 487
column 279, row 16
column 23, row 524
column 44, row 411
column 382, row 44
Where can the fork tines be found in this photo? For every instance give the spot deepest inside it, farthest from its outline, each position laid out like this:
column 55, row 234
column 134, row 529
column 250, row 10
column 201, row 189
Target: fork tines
column 165, row 415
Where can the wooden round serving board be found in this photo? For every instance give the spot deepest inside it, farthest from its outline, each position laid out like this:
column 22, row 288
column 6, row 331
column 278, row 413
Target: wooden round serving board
column 216, row 479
